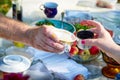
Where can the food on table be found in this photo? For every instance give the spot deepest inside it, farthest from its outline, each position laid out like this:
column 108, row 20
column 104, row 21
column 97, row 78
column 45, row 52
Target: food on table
column 79, row 77
column 74, row 50
column 45, row 22
column 94, row 50
column 84, row 54
column 79, row 26
column 79, row 53
column 15, row 76
column 104, row 4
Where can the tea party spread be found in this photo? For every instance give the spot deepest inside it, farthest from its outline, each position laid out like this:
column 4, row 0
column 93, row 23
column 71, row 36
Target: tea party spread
column 77, row 61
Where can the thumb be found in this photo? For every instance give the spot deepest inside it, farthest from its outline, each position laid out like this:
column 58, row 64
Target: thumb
column 90, row 42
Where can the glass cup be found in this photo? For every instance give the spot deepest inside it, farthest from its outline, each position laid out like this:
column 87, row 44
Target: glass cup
column 50, row 9
column 84, row 34
column 67, row 39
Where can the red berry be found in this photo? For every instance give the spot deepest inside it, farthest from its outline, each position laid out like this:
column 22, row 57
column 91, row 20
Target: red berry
column 79, row 77
column 94, row 50
column 74, row 43
column 73, row 51
column 75, row 33
column 80, row 52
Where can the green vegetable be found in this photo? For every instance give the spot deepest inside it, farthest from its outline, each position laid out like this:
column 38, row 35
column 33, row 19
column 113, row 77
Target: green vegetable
column 45, row 22
column 78, row 26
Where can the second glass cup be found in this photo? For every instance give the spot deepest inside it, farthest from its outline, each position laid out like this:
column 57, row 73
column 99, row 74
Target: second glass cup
column 81, row 35
column 50, row 9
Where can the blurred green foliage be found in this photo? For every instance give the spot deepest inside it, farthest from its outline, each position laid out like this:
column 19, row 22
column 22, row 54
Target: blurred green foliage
column 5, row 5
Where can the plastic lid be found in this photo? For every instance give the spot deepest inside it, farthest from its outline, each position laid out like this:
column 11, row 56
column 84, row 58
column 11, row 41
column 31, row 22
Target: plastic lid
column 14, row 63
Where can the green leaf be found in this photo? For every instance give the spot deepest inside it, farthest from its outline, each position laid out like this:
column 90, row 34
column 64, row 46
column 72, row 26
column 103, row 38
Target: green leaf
column 78, row 27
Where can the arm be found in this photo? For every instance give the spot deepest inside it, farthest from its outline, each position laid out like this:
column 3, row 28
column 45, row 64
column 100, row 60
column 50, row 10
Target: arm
column 13, row 30
column 104, row 40
column 38, row 37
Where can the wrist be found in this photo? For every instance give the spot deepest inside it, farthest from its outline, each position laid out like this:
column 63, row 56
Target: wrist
column 30, row 34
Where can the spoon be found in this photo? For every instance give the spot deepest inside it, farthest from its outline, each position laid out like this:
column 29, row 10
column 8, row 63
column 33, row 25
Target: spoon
column 62, row 16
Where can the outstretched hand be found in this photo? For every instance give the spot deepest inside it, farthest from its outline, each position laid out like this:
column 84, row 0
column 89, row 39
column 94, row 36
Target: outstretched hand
column 44, row 38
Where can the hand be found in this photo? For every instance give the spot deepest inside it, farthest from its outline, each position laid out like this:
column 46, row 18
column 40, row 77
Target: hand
column 44, row 38
column 104, row 39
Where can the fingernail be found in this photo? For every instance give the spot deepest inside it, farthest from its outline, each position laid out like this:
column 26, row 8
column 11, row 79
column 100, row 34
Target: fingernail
column 83, row 41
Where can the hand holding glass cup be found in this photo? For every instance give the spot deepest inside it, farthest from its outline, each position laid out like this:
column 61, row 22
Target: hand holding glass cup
column 50, row 9
column 81, row 35
column 66, row 38
column 69, row 38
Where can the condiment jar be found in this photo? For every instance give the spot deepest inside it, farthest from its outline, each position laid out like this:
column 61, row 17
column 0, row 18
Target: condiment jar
column 14, row 64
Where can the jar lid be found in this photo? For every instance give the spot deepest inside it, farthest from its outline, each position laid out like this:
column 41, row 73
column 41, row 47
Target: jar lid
column 14, row 63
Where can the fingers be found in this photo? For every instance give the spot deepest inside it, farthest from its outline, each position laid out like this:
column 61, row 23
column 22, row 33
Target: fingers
column 52, row 44
column 46, row 40
column 48, row 45
column 90, row 42
column 49, row 32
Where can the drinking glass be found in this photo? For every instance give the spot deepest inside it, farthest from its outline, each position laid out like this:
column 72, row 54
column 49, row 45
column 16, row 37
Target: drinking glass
column 50, row 9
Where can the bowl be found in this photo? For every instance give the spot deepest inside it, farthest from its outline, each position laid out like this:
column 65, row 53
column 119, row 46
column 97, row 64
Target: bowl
column 56, row 23
column 83, row 56
column 79, row 52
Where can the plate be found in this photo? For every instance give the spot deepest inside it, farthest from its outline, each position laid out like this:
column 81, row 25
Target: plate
column 57, row 24
column 14, row 63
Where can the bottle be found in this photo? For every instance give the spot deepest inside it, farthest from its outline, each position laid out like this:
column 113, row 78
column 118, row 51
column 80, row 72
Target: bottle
column 17, row 15
column 17, row 9
column 117, row 77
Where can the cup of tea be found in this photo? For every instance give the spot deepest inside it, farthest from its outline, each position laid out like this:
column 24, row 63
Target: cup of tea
column 50, row 9
column 81, row 35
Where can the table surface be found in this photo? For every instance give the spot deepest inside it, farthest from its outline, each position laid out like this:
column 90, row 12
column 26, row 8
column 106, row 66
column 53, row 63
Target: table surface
column 32, row 12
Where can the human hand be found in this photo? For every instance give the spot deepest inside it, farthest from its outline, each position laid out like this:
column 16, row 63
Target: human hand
column 103, row 40
column 44, row 38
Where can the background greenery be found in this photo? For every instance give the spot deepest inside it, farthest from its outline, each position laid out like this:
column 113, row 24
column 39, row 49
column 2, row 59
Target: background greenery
column 5, row 5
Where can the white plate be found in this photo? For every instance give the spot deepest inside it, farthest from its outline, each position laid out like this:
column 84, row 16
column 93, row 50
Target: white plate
column 14, row 63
